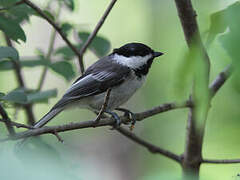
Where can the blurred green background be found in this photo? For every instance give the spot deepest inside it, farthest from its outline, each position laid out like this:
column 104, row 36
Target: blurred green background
column 100, row 153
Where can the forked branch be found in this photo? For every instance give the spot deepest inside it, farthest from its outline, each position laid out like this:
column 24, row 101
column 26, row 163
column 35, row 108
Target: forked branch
column 57, row 28
column 94, row 33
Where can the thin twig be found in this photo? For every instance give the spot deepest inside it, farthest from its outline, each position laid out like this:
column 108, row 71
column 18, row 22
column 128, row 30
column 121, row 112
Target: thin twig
column 221, row 161
column 58, row 137
column 104, row 106
column 7, row 121
column 18, row 71
column 58, row 29
column 19, row 125
column 220, row 80
column 50, row 51
column 94, row 33
column 152, row 148
column 16, row 64
column 162, row 108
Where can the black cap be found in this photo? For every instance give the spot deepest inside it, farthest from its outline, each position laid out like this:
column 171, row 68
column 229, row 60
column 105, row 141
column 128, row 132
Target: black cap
column 133, row 49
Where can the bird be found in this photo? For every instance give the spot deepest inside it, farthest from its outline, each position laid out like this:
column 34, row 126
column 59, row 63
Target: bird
column 123, row 71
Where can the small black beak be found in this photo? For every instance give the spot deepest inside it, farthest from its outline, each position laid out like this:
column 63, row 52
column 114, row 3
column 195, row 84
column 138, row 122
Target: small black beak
column 156, row 54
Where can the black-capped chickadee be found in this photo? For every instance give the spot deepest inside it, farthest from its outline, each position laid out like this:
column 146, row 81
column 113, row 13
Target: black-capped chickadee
column 123, row 71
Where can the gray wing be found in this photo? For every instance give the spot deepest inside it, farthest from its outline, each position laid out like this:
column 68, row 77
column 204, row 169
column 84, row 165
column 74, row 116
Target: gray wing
column 96, row 80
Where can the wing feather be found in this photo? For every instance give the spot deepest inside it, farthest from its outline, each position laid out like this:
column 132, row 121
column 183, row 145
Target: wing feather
column 97, row 79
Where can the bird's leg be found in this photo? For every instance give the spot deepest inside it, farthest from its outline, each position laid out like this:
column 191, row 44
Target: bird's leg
column 103, row 108
column 130, row 115
column 116, row 117
column 103, row 115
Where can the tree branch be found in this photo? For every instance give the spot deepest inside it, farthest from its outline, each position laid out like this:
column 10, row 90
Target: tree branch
column 162, row 108
column 18, row 125
column 58, row 137
column 58, row 29
column 195, row 131
column 7, row 121
column 192, row 157
column 94, row 33
column 16, row 64
column 188, row 20
column 50, row 50
column 221, row 161
column 220, row 80
column 88, row 124
column 152, row 148
column 18, row 71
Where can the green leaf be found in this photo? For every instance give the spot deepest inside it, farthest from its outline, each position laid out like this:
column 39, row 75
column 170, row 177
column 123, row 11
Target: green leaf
column 185, row 75
column 219, row 21
column 41, row 96
column 63, row 68
column 39, row 52
column 12, row 29
column 69, row 4
column 19, row 13
column 16, row 96
column 230, row 41
column 100, row 45
column 66, row 52
column 7, row 3
column 232, row 16
column 66, row 27
column 36, row 62
column 1, row 95
column 6, row 65
column 218, row 25
column 8, row 52
column 26, row 96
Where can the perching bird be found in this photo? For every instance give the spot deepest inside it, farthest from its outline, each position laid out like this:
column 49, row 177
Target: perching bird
column 123, row 71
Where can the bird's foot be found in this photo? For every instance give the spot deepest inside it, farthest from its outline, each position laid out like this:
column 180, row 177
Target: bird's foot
column 129, row 115
column 116, row 118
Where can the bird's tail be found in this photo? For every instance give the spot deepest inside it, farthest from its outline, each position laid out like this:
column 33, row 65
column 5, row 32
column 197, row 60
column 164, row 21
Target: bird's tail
column 45, row 119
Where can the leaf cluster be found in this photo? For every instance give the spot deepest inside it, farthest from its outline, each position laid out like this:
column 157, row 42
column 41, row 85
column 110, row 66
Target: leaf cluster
column 13, row 14
column 225, row 24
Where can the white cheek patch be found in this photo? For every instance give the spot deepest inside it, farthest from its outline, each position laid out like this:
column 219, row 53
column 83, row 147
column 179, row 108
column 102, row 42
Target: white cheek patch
column 132, row 62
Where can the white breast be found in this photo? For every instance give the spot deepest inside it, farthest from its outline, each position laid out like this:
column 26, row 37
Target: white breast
column 119, row 94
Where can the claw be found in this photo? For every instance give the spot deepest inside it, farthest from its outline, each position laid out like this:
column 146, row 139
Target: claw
column 130, row 115
column 117, row 119
column 131, row 127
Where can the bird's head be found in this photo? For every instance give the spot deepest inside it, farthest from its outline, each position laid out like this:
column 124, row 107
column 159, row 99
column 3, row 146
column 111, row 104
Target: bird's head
column 136, row 56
